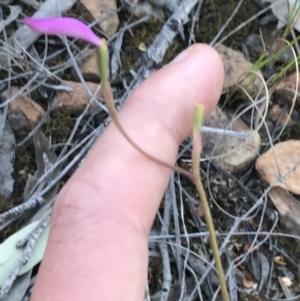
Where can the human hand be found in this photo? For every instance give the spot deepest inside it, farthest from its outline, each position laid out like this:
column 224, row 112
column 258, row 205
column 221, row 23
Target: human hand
column 98, row 243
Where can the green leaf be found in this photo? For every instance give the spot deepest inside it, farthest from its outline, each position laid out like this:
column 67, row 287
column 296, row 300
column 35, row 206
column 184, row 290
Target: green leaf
column 9, row 254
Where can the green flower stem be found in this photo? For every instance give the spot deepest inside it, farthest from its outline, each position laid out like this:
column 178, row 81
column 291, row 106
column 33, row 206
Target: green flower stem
column 198, row 115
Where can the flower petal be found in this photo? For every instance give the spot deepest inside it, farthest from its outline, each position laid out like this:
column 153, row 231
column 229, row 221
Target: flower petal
column 66, row 26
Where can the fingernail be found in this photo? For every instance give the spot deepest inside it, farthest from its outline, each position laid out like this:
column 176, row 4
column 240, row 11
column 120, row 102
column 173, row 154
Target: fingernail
column 181, row 56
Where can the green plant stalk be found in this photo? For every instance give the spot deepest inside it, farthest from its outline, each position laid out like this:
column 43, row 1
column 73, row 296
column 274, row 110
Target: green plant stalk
column 109, row 99
column 196, row 152
column 284, row 70
column 291, row 19
column 261, row 62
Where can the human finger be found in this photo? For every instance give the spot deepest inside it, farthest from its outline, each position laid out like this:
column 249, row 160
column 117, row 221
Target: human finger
column 101, row 221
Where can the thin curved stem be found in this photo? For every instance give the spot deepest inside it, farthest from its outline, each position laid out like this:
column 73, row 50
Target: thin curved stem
column 108, row 96
column 196, row 152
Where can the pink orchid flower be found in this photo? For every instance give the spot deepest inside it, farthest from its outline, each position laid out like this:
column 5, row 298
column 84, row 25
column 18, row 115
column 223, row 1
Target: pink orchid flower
column 73, row 28
column 65, row 26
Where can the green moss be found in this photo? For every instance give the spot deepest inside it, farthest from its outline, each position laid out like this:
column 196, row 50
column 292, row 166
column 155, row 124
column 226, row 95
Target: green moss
column 143, row 33
column 215, row 13
column 211, row 20
column 59, row 127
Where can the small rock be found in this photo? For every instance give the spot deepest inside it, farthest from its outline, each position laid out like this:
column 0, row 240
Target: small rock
column 274, row 114
column 90, row 70
column 287, row 88
column 235, row 153
column 75, row 102
column 281, row 165
column 236, row 67
column 104, row 11
column 23, row 113
column 255, row 43
column 142, row 8
column 288, row 208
